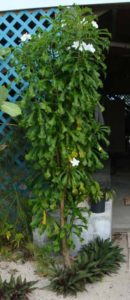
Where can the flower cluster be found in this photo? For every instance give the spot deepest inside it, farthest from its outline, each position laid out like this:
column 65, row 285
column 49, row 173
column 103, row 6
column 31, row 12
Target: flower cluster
column 94, row 23
column 25, row 37
column 83, row 46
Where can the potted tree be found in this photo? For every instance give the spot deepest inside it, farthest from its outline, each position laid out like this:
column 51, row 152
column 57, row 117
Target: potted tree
column 63, row 70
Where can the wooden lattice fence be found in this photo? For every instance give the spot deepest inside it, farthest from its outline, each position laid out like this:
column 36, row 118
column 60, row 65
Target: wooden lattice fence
column 12, row 26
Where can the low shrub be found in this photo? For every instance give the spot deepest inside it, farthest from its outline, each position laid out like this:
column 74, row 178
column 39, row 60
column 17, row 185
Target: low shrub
column 14, row 220
column 93, row 261
column 16, row 289
column 67, row 281
column 104, row 256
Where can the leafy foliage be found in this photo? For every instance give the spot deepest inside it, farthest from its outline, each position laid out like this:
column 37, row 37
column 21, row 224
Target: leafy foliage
column 94, row 260
column 67, row 281
column 45, row 259
column 11, row 109
column 63, row 69
column 16, row 289
column 98, row 193
column 103, row 255
column 14, row 219
column 4, row 52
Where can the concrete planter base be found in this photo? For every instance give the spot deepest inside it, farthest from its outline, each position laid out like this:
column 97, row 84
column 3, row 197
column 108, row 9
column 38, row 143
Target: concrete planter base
column 98, row 225
column 39, row 239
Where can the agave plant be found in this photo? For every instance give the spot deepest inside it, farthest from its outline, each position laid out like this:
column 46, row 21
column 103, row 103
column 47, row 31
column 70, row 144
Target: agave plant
column 67, row 281
column 104, row 256
column 93, row 261
column 16, row 289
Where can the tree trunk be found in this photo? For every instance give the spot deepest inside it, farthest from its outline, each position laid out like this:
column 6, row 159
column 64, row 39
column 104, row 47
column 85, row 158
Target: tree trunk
column 65, row 250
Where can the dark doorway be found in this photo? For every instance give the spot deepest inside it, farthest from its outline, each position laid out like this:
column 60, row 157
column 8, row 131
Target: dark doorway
column 117, row 117
column 116, row 99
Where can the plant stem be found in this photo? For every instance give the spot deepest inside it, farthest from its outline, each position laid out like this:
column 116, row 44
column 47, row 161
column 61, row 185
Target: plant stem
column 65, row 250
column 64, row 246
column 10, row 124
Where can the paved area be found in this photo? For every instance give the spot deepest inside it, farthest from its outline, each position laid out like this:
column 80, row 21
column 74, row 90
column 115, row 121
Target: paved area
column 121, row 213
column 116, row 287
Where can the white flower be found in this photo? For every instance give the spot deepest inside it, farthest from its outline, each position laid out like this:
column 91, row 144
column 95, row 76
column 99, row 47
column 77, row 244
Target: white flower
column 89, row 47
column 25, row 37
column 63, row 24
column 82, row 46
column 75, row 45
column 74, row 162
column 84, row 21
column 94, row 23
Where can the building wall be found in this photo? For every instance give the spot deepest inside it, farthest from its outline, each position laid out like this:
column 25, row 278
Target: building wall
column 7, row 5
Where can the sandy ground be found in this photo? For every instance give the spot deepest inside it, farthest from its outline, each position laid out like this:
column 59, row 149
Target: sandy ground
column 116, row 287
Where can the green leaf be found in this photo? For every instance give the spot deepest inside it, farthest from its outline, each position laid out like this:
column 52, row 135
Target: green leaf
column 45, row 107
column 11, row 109
column 4, row 52
column 62, row 234
column 3, row 94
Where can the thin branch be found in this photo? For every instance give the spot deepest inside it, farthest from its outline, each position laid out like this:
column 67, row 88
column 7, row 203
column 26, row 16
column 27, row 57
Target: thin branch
column 10, row 124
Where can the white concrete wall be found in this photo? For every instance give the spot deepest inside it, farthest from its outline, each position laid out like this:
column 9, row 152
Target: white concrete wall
column 99, row 225
column 7, row 5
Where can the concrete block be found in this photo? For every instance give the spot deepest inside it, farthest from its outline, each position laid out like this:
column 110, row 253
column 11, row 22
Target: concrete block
column 99, row 225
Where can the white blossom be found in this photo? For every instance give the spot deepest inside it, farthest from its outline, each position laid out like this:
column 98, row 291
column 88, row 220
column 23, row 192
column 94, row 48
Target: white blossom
column 84, row 21
column 75, row 45
column 74, row 162
column 25, row 37
column 82, row 46
column 88, row 47
column 94, row 23
column 63, row 24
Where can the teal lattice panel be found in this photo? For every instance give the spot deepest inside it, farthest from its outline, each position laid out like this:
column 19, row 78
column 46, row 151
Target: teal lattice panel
column 12, row 26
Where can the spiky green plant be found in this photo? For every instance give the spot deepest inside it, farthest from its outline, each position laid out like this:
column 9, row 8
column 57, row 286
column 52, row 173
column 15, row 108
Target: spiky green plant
column 91, row 264
column 16, row 289
column 103, row 255
column 67, row 280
